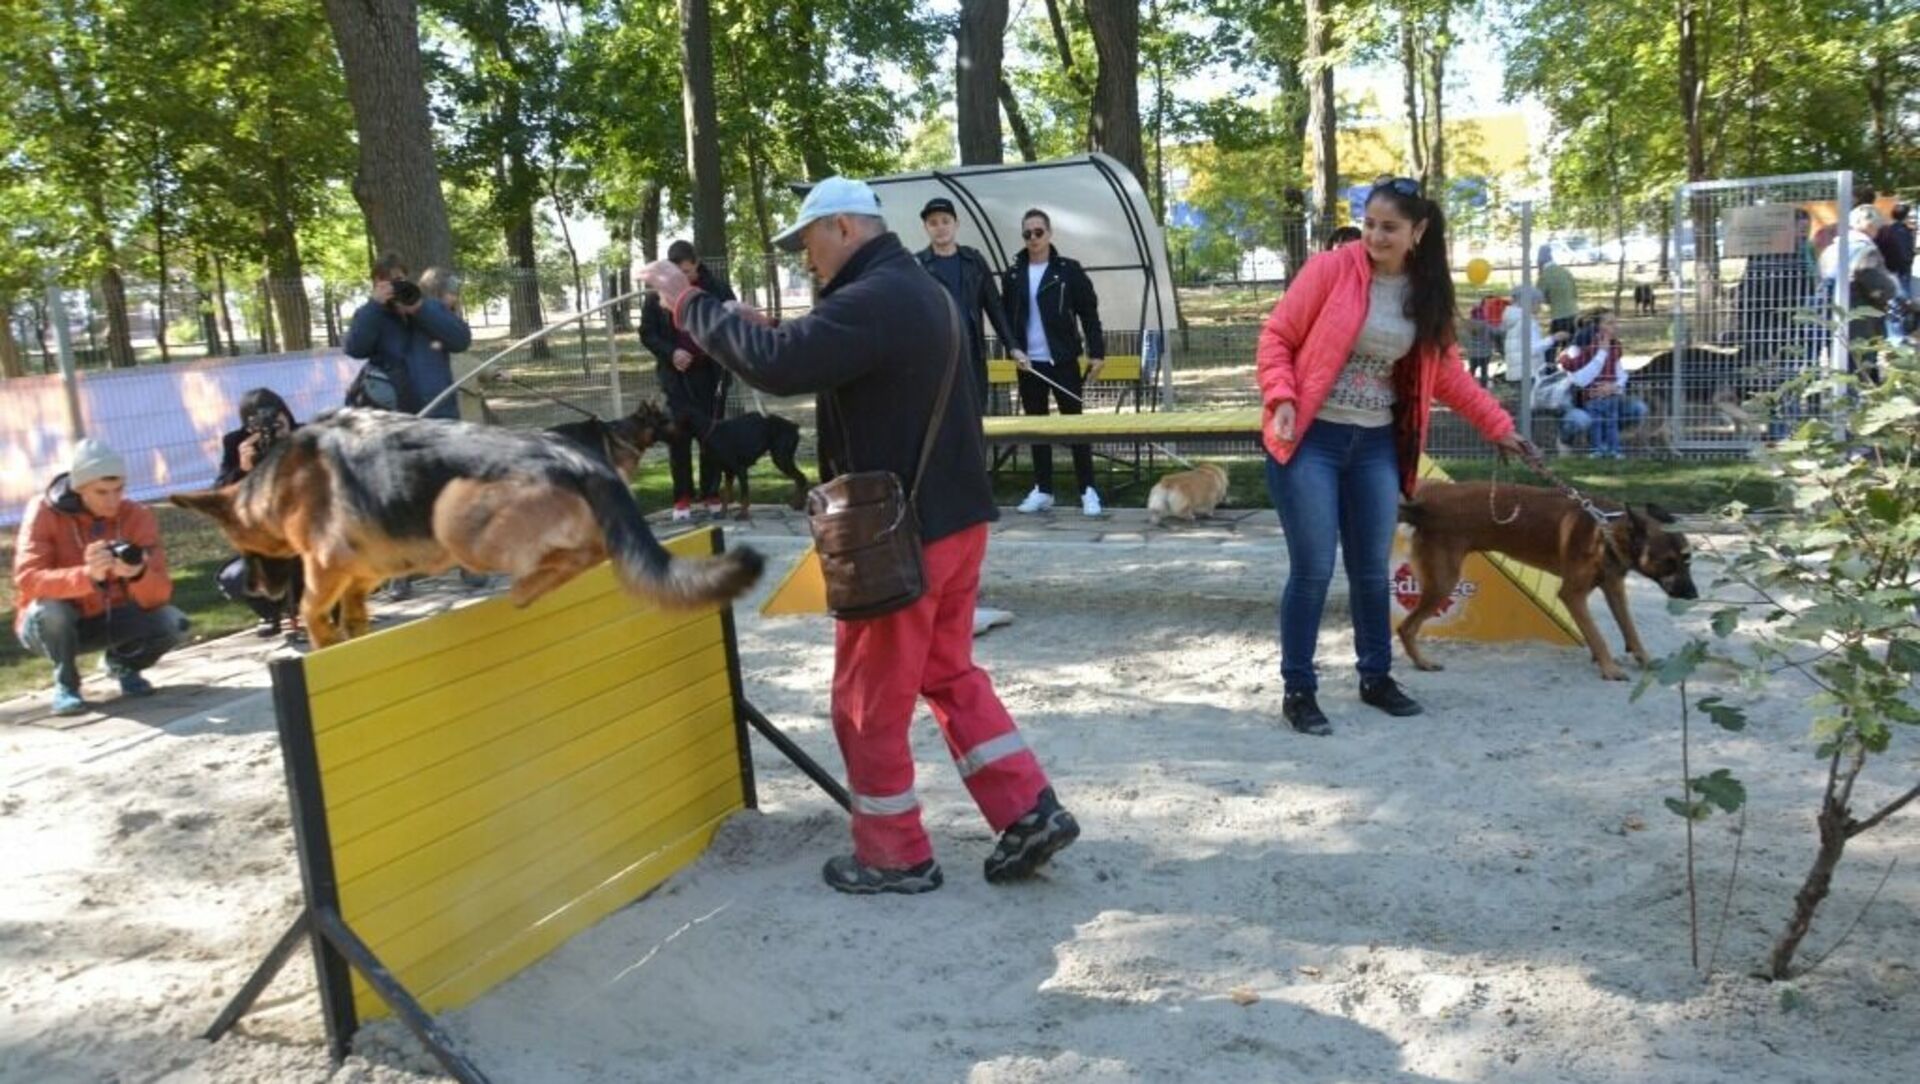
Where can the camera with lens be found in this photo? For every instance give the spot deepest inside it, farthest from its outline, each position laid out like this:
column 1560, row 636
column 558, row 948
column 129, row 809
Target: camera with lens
column 404, row 292
column 264, row 422
column 127, row 553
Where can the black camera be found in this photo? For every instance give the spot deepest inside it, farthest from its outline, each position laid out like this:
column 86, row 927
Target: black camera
column 265, row 422
column 127, row 553
column 404, row 292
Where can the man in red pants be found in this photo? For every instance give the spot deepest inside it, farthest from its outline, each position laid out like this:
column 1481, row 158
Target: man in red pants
column 875, row 347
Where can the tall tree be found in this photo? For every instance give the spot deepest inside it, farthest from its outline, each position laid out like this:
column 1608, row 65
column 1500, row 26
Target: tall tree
column 1322, row 120
column 978, row 52
column 398, row 183
column 1114, row 121
column 702, row 128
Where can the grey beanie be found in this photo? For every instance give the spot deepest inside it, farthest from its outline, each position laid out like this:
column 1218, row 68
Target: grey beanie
column 1544, row 256
column 93, row 460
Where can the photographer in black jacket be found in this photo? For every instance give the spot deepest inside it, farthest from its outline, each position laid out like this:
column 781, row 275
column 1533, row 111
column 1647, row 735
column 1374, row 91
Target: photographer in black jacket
column 269, row 586
column 1046, row 295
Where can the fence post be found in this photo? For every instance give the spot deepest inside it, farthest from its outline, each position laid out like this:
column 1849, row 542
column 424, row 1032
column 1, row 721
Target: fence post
column 613, row 361
column 63, row 340
column 1842, row 352
column 1529, row 350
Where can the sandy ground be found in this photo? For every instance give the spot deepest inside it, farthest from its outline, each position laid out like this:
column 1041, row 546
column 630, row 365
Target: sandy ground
column 1492, row 892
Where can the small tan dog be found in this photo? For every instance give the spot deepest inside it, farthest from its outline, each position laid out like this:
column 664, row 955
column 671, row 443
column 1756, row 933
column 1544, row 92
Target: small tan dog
column 1187, row 494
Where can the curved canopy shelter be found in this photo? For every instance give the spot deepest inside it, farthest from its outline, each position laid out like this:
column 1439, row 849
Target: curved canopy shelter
column 1100, row 215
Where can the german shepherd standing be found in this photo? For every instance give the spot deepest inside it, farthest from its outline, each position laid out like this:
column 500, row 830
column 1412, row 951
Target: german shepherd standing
column 363, row 496
column 1552, row 533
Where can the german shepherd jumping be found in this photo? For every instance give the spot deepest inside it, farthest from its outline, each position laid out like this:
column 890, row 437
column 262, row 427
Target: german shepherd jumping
column 362, row 496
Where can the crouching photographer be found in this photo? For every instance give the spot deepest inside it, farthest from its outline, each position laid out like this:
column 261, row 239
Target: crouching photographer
column 90, row 574
column 269, row 586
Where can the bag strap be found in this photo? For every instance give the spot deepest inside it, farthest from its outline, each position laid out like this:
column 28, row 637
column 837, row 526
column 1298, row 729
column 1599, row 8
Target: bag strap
column 939, row 401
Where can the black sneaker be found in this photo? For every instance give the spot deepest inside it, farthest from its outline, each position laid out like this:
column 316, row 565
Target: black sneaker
column 1028, row 842
column 268, row 628
column 1302, row 713
column 846, row 873
column 1384, row 693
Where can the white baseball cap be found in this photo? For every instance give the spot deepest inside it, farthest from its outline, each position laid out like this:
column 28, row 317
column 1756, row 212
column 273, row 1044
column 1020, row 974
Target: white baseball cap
column 833, row 196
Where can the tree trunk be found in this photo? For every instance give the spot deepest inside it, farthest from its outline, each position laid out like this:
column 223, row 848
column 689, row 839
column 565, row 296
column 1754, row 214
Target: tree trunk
column 11, row 363
column 1322, row 122
column 204, row 310
column 113, row 292
column 398, row 182
column 160, row 257
column 1294, row 227
column 1065, row 45
column 267, row 343
column 330, row 311
column 1878, row 95
column 1619, row 209
column 1692, row 77
column 703, row 132
column 523, row 299
column 226, row 313
column 809, row 75
column 1415, row 162
column 566, row 238
column 620, row 229
column 650, row 222
column 286, row 274
column 1813, row 891
column 979, row 47
column 1022, row 135
column 1114, row 121
column 1436, row 179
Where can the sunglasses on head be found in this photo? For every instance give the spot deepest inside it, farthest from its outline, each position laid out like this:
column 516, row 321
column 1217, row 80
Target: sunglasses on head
column 1031, row 234
column 1406, row 186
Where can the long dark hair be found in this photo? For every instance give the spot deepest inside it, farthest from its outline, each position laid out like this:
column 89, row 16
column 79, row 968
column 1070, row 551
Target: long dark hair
column 1430, row 301
column 260, row 399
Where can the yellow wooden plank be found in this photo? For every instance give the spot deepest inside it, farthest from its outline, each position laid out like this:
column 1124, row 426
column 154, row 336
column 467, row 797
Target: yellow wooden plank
column 395, row 647
column 1119, row 369
column 417, row 732
column 487, row 765
column 1154, row 425
column 582, row 740
column 507, row 854
column 456, row 940
column 537, row 941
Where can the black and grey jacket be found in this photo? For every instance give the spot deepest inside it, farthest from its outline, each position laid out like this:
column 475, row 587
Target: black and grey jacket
column 1066, row 296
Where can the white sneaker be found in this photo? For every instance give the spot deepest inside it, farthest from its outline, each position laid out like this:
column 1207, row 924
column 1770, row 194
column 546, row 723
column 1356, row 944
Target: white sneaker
column 1090, row 503
column 682, row 515
column 985, row 619
column 1036, row 502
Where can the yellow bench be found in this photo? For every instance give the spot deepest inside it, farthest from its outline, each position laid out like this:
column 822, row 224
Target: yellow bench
column 1119, row 369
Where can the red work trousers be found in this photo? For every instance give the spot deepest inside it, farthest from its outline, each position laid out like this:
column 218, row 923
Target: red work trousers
column 882, row 667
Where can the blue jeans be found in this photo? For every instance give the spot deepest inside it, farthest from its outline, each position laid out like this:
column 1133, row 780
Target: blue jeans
column 133, row 638
column 1604, row 418
column 1342, row 486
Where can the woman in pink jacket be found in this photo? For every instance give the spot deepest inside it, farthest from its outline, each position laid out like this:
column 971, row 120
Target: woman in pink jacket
column 1350, row 363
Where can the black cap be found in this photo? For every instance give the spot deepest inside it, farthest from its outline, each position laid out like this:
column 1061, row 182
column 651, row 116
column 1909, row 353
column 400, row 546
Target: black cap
column 936, row 205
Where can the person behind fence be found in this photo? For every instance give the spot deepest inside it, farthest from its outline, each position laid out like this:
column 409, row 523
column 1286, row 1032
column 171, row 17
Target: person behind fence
column 443, row 285
column 1896, row 248
column 1340, row 235
column 876, row 347
column 90, row 574
column 695, row 388
column 1864, row 223
column 1349, row 364
column 269, row 586
column 1601, row 406
column 1479, row 346
column 1563, row 299
column 1045, row 294
column 406, row 338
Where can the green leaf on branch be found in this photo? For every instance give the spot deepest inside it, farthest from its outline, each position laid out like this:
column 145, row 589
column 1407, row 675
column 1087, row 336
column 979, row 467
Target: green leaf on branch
column 1693, row 811
column 1884, row 505
column 1720, row 788
column 1724, row 715
column 1904, row 656
column 1725, row 621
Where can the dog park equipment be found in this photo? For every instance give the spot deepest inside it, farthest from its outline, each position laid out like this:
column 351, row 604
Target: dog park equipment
column 471, row 790
column 1498, row 598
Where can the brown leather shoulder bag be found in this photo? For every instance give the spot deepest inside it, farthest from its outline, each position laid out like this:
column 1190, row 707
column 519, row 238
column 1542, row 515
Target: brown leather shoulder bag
column 867, row 528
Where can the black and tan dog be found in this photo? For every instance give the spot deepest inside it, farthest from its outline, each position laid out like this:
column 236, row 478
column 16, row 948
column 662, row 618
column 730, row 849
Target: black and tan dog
column 1552, row 533
column 738, row 443
column 362, row 496
column 620, row 443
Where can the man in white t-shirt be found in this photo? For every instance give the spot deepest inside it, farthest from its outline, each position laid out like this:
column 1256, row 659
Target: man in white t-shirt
column 1050, row 304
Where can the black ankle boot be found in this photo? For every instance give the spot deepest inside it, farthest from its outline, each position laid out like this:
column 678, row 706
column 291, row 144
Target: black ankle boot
column 1302, row 713
column 1384, row 693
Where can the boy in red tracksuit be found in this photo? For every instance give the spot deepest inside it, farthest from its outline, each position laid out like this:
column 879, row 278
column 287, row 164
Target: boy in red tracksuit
column 876, row 345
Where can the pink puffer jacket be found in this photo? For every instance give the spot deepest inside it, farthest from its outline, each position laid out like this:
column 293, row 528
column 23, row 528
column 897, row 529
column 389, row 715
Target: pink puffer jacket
column 1307, row 340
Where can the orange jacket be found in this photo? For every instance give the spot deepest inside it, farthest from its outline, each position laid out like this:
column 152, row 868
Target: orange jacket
column 1306, row 341
column 49, row 558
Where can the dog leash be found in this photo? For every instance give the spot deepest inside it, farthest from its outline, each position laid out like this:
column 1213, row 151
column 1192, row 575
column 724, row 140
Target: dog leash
column 1535, row 461
column 606, row 431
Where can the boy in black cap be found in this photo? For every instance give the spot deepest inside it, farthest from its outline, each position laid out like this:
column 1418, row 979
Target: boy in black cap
column 965, row 274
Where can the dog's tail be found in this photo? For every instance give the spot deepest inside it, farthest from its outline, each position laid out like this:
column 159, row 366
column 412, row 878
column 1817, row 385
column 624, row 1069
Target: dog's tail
column 1157, row 507
column 645, row 566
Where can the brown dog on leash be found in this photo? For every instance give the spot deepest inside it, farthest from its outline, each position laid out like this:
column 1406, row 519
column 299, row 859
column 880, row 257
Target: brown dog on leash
column 1552, row 533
